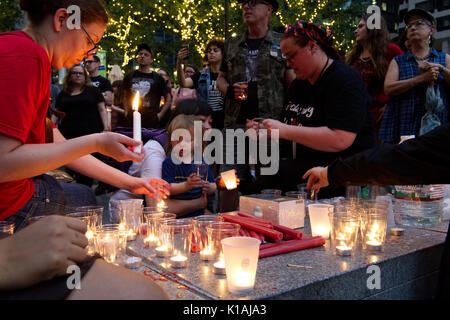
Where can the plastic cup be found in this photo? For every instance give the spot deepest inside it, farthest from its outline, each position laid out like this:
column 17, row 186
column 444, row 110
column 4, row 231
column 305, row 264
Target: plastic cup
column 241, row 263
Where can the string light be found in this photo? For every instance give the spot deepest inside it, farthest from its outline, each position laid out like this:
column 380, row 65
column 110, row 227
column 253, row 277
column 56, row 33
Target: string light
column 198, row 21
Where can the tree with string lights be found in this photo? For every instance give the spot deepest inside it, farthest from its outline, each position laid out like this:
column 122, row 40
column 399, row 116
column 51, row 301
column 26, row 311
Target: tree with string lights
column 163, row 24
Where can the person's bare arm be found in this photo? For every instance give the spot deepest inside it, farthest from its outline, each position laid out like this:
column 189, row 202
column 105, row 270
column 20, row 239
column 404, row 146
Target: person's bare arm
column 184, row 82
column 108, row 95
column 96, row 169
column 166, row 107
column 393, row 86
column 317, row 138
column 20, row 161
column 103, row 115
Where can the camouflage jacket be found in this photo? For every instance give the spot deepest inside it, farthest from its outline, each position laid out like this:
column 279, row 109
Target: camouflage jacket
column 270, row 71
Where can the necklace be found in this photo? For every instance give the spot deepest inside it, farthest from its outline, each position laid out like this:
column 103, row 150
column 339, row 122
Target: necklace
column 422, row 58
column 323, row 69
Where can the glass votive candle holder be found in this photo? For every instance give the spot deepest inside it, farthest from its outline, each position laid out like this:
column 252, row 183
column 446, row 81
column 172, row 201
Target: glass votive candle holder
column 6, row 228
column 151, row 219
column 319, row 219
column 121, row 253
column 272, row 192
column 130, row 213
column 353, row 193
column 181, row 233
column 164, row 245
column 200, row 241
column 90, row 221
column 107, row 244
column 241, row 263
column 216, row 232
column 344, row 234
column 95, row 211
column 296, row 194
column 375, row 232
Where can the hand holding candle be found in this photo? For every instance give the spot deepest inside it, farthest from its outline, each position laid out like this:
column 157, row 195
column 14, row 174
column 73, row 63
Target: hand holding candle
column 137, row 123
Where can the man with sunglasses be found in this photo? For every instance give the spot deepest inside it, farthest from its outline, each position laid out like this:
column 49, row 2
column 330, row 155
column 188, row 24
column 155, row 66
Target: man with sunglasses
column 254, row 57
column 92, row 65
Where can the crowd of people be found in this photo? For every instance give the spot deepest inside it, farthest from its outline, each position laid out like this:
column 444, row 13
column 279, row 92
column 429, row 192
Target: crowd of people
column 338, row 118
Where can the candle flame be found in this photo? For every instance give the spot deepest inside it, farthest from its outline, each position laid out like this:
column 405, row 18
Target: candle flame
column 89, row 234
column 160, row 206
column 374, row 235
column 136, row 102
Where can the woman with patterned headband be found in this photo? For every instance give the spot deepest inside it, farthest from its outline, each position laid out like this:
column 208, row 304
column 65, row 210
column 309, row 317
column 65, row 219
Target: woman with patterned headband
column 327, row 112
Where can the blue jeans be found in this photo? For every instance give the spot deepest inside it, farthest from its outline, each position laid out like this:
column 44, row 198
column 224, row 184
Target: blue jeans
column 52, row 198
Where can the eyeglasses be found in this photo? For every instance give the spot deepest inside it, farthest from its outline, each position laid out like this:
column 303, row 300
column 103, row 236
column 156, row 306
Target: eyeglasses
column 418, row 23
column 89, row 61
column 77, row 73
column 94, row 50
column 252, row 3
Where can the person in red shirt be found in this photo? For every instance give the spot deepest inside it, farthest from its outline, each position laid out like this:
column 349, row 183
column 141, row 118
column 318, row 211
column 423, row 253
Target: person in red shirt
column 44, row 250
column 371, row 56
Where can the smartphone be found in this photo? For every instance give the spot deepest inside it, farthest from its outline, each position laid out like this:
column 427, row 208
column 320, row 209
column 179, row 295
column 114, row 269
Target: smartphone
column 185, row 44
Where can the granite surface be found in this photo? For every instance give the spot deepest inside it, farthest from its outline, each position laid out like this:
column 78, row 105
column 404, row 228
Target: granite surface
column 408, row 269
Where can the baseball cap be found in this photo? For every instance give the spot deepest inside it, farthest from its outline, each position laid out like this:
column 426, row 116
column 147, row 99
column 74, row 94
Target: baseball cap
column 420, row 13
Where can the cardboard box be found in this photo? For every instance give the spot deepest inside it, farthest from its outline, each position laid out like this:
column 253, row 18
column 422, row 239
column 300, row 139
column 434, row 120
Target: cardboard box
column 288, row 212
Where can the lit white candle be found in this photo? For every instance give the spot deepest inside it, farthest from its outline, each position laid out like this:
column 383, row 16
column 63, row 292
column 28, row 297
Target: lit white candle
column 344, row 250
column 162, row 251
column 107, row 248
column 219, row 266
column 243, row 280
column 151, row 241
column 161, row 206
column 137, row 123
column 131, row 235
column 206, row 254
column 374, row 245
column 179, row 261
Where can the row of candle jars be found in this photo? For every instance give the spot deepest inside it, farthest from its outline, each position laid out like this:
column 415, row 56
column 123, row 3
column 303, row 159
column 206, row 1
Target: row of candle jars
column 342, row 222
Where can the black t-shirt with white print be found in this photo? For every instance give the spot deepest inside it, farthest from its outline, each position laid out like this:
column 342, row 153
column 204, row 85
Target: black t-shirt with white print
column 338, row 100
column 101, row 83
column 151, row 87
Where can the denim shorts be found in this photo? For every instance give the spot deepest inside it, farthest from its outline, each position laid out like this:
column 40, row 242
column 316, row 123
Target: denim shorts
column 52, row 197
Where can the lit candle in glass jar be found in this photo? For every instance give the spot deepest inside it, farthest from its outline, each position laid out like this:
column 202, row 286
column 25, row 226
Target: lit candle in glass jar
column 162, row 251
column 151, row 241
column 131, row 235
column 343, row 250
column 206, row 254
column 373, row 243
column 179, row 261
column 161, row 206
column 219, row 266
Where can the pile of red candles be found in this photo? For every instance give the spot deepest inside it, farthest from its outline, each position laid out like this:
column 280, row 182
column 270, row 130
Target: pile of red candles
column 271, row 232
